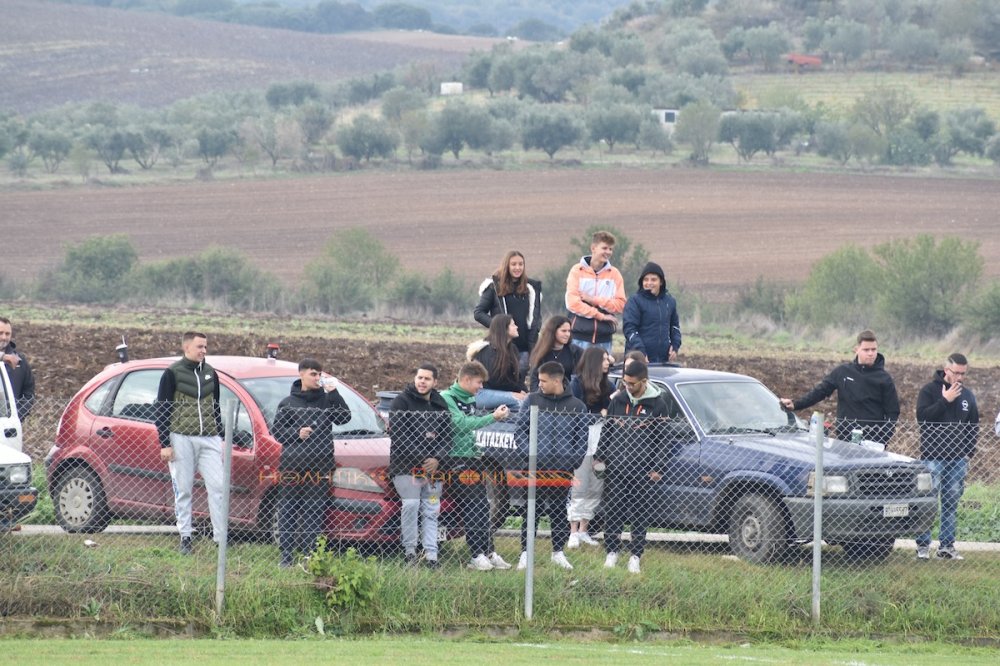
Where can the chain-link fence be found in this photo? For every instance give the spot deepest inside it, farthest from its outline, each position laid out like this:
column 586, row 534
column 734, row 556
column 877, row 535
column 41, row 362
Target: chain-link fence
column 715, row 470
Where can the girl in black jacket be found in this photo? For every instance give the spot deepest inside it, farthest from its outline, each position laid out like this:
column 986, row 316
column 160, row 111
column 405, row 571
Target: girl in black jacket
column 510, row 291
column 505, row 383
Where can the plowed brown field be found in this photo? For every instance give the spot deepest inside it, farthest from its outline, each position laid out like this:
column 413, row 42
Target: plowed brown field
column 711, row 231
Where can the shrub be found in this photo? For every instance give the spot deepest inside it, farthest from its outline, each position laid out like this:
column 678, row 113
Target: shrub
column 217, row 275
column 93, row 271
column 350, row 581
column 764, row 298
column 838, row 291
column 925, row 284
column 982, row 316
column 354, row 270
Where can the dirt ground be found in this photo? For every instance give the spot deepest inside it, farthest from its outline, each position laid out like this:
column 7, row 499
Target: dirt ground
column 64, row 358
column 712, row 231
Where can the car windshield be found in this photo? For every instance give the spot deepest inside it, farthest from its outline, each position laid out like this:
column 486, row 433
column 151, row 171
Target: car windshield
column 269, row 391
column 727, row 407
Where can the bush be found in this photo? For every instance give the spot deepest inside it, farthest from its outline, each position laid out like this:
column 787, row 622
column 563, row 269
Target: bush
column 93, row 271
column 219, row 276
column 353, row 272
column 982, row 316
column 838, row 291
column 926, row 284
column 763, row 298
column 350, row 582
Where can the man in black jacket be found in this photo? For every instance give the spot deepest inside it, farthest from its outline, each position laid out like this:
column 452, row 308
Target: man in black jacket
column 420, row 431
column 634, row 447
column 22, row 381
column 303, row 425
column 866, row 394
column 949, row 430
column 562, row 430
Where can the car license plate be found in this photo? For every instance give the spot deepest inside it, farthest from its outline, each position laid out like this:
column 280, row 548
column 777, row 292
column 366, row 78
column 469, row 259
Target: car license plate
column 895, row 510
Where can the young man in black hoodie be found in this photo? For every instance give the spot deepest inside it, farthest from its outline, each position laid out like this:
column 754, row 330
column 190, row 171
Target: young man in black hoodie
column 866, row 394
column 303, row 425
column 634, row 447
column 949, row 431
column 562, row 444
column 420, row 430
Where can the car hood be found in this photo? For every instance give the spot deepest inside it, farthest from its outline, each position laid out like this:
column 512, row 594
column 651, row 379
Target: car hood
column 801, row 447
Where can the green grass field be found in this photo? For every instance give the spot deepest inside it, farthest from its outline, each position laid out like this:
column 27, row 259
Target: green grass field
column 443, row 652
column 838, row 90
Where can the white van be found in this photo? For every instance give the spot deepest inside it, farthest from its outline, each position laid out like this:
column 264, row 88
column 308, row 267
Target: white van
column 17, row 496
column 10, row 424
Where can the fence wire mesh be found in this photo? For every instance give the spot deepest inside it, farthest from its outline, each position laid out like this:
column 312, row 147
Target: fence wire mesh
column 715, row 471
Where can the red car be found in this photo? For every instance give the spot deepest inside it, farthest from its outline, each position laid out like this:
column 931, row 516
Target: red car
column 105, row 462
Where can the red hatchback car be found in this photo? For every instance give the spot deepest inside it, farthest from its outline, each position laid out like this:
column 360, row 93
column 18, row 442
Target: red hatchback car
column 105, row 462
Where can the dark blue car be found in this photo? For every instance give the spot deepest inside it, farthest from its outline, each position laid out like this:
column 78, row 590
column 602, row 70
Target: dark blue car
column 740, row 465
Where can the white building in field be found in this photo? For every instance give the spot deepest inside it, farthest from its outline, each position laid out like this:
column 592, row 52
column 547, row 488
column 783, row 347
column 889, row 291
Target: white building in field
column 667, row 118
column 451, row 88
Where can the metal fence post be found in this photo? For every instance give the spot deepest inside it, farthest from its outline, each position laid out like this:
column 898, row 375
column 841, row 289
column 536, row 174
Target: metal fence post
column 228, row 420
column 529, row 573
column 816, row 429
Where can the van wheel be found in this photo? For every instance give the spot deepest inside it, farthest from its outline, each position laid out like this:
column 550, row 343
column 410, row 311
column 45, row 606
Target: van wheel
column 758, row 532
column 80, row 503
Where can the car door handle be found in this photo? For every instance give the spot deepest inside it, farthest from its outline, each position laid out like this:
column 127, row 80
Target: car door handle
column 10, row 433
column 105, row 432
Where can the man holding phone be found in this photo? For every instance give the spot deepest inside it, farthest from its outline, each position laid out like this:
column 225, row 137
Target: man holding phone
column 949, row 430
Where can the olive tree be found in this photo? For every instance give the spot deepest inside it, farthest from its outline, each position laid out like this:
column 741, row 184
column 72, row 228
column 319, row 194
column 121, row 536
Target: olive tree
column 550, row 129
column 698, row 126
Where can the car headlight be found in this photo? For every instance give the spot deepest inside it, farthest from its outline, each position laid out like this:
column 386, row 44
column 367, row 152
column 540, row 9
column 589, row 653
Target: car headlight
column 352, row 478
column 18, row 474
column 925, row 482
column 832, row 485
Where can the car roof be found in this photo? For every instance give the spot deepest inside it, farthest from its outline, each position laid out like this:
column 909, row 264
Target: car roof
column 239, row 367
column 668, row 373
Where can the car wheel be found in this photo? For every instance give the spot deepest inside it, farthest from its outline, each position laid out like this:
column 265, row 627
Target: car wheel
column 758, row 531
column 80, row 503
column 267, row 519
column 868, row 552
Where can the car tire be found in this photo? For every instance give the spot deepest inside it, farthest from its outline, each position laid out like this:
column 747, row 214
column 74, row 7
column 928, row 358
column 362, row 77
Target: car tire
column 267, row 519
column 868, row 552
column 80, row 503
column 758, row 530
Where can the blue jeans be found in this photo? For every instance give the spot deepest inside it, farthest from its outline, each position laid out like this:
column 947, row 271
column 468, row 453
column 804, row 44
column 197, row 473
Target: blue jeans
column 420, row 498
column 949, row 481
column 490, row 399
column 583, row 344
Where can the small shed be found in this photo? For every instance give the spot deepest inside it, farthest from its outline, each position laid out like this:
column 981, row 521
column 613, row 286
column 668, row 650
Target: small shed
column 667, row 117
column 451, row 87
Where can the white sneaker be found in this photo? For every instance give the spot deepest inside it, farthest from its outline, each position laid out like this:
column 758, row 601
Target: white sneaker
column 497, row 561
column 586, row 538
column 522, row 561
column 574, row 540
column 481, row 563
column 559, row 559
column 633, row 565
column 611, row 560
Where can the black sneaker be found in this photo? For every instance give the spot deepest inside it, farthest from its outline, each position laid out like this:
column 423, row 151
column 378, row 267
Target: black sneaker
column 411, row 560
column 186, row 546
column 432, row 564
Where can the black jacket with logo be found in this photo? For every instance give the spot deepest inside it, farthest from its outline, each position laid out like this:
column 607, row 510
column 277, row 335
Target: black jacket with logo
column 948, row 430
column 418, row 429
column 318, row 409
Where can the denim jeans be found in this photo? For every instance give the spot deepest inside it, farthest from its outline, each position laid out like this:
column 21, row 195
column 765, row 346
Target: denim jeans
column 490, row 399
column 949, row 481
column 583, row 344
column 420, row 498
